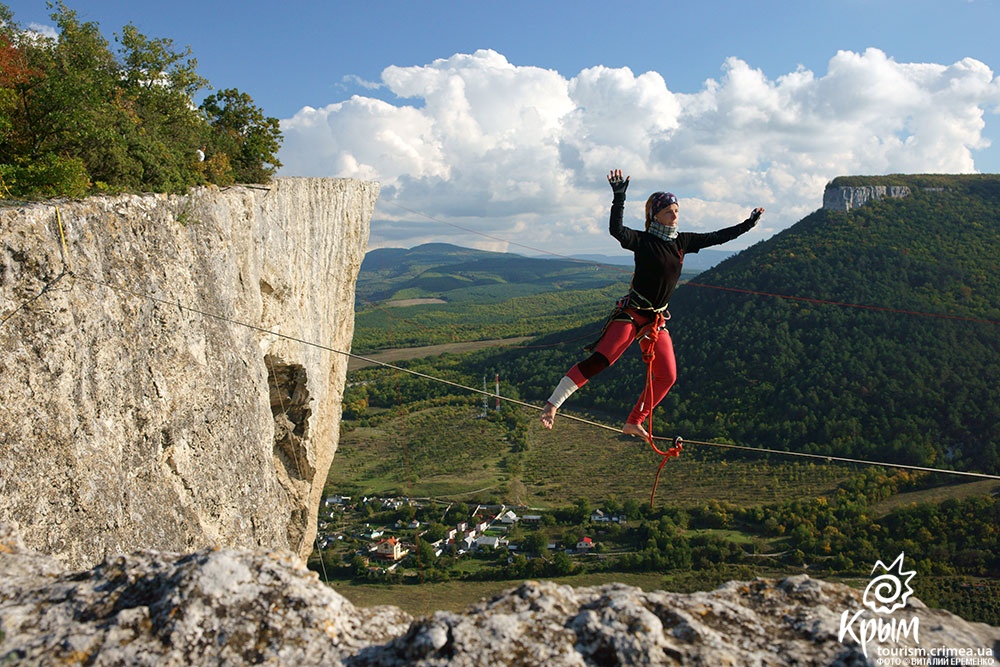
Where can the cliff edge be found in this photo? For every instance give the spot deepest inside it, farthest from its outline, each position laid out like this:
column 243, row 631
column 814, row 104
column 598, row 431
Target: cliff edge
column 169, row 374
column 847, row 197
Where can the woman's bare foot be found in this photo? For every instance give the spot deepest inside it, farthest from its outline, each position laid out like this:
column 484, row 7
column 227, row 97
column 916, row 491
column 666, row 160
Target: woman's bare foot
column 548, row 415
column 635, row 429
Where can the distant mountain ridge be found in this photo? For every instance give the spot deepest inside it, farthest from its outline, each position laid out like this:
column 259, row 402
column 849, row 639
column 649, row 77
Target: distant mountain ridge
column 455, row 274
column 694, row 263
column 846, row 192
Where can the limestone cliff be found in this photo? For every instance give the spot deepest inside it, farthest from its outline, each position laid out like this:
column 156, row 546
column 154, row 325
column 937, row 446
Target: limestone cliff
column 144, row 401
column 846, row 197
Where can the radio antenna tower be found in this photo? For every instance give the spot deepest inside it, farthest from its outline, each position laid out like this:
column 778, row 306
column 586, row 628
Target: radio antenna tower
column 486, row 399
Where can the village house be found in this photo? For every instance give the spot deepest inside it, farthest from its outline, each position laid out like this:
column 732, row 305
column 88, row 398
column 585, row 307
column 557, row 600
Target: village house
column 489, row 542
column 390, row 549
column 585, row 544
column 508, row 517
column 370, row 533
column 598, row 516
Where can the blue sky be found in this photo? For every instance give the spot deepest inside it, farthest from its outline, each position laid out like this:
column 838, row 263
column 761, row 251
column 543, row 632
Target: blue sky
column 504, row 117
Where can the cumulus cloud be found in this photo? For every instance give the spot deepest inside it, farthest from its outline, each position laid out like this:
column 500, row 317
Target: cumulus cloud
column 475, row 150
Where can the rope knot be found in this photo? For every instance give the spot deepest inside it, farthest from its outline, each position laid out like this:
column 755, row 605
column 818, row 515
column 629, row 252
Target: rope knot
column 648, row 335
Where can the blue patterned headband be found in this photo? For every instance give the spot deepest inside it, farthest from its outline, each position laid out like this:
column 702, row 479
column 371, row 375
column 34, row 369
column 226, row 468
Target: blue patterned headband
column 659, row 201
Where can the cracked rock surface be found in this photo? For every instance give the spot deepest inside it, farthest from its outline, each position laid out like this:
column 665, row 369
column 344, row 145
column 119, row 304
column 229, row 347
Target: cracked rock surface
column 236, row 607
column 210, row 607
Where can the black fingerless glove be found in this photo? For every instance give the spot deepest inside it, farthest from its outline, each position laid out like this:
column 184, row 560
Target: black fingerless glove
column 618, row 187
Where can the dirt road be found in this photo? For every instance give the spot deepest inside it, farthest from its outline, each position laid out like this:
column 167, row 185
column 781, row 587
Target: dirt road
column 390, row 356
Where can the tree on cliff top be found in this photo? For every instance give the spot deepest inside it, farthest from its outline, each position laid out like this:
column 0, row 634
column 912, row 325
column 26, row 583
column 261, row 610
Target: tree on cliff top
column 75, row 118
column 243, row 135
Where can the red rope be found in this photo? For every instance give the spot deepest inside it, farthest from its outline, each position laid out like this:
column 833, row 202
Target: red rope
column 648, row 336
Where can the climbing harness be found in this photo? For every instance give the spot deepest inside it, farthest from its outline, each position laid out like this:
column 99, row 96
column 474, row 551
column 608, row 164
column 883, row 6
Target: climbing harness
column 619, row 313
column 622, row 312
column 648, row 336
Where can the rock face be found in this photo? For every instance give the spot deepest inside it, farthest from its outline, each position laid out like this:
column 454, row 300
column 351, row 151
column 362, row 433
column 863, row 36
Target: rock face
column 235, row 607
column 211, row 607
column 844, row 198
column 144, row 401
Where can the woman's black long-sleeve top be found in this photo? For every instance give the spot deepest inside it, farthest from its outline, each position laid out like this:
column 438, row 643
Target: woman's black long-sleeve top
column 657, row 261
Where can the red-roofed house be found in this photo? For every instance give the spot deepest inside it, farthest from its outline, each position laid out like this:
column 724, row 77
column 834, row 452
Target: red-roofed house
column 390, row 549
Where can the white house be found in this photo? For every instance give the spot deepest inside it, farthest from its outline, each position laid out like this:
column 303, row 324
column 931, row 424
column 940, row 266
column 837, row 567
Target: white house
column 508, row 517
column 490, row 542
column 372, row 533
column 585, row 544
column 597, row 516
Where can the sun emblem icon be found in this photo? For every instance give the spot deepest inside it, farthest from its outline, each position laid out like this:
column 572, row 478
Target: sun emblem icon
column 888, row 592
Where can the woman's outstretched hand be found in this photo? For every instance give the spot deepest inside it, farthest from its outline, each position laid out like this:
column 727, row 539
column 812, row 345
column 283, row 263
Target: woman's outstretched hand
column 618, row 183
column 755, row 215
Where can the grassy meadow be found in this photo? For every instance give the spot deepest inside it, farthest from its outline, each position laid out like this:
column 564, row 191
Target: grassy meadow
column 451, row 452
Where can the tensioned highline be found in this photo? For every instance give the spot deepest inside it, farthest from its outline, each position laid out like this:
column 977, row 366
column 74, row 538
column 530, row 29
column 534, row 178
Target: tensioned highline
column 761, row 450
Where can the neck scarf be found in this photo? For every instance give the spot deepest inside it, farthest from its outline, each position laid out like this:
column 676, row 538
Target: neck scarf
column 662, row 231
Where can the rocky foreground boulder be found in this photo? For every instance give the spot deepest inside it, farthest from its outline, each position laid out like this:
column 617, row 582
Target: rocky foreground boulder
column 237, row 607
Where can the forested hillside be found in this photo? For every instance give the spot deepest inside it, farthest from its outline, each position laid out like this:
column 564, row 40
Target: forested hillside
column 912, row 380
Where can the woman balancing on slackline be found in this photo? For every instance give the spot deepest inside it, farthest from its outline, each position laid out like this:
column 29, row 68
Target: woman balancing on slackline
column 659, row 253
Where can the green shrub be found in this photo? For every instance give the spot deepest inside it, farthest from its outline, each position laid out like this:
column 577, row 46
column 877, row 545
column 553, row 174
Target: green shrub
column 49, row 176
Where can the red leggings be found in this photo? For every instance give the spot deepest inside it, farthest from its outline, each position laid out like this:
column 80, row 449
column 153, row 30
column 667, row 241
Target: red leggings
column 616, row 339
